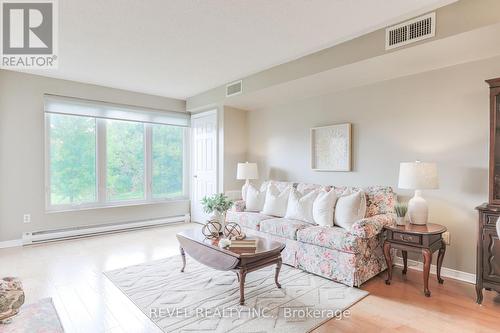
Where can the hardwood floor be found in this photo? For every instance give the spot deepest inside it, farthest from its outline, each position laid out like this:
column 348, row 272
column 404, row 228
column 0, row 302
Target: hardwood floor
column 402, row 307
column 71, row 273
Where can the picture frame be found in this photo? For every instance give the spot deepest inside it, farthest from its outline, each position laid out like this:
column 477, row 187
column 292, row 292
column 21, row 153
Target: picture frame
column 331, row 147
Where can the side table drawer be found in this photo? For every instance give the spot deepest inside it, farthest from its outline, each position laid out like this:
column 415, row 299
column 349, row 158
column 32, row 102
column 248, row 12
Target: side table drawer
column 491, row 219
column 406, row 238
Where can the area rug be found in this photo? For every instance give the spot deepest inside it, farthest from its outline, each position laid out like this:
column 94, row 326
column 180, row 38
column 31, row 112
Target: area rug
column 39, row 317
column 205, row 300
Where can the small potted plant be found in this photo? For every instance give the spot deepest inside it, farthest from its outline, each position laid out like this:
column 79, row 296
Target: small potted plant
column 218, row 205
column 401, row 208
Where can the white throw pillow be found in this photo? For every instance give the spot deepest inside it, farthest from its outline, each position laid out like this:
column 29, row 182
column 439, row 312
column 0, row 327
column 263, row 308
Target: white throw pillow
column 276, row 201
column 254, row 199
column 349, row 209
column 300, row 206
column 324, row 207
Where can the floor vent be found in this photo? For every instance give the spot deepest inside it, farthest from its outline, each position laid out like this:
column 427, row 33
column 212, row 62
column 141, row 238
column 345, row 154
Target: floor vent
column 412, row 31
column 234, row 88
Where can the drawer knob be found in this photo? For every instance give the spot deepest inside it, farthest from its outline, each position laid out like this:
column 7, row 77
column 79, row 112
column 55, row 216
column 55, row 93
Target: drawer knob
column 407, row 238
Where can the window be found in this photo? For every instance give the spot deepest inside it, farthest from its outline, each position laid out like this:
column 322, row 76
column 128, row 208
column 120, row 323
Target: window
column 72, row 159
column 125, row 160
column 101, row 154
column 167, row 161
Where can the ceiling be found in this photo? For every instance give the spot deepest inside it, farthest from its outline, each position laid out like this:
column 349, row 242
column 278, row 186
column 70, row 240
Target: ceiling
column 179, row 48
column 462, row 48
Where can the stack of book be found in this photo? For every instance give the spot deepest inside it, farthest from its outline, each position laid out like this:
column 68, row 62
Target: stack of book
column 243, row 246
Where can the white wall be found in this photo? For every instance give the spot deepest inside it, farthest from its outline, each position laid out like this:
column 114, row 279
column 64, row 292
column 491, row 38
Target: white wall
column 439, row 116
column 22, row 155
column 235, row 146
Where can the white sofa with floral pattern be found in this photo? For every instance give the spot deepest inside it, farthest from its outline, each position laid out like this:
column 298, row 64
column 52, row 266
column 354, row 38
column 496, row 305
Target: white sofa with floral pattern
column 350, row 257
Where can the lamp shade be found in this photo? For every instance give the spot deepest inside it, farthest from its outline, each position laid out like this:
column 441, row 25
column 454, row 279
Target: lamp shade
column 418, row 176
column 247, row 171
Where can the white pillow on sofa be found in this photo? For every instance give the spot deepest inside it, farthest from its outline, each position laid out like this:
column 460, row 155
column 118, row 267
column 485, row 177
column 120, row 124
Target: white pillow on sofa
column 276, row 202
column 300, row 206
column 350, row 208
column 324, row 207
column 254, row 201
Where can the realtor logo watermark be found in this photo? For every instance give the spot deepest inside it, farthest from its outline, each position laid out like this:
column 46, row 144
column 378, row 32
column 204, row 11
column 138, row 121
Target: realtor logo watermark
column 29, row 34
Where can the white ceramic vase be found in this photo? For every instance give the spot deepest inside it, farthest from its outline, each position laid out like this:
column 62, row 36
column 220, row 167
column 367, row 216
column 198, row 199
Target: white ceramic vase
column 244, row 189
column 417, row 209
column 221, row 218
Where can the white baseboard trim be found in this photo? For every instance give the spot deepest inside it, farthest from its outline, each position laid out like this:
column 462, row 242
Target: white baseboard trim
column 11, row 243
column 445, row 272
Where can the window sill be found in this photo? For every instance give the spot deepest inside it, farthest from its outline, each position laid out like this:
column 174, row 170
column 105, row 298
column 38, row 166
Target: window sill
column 77, row 208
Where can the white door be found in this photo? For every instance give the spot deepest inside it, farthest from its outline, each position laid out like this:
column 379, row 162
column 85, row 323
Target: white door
column 204, row 161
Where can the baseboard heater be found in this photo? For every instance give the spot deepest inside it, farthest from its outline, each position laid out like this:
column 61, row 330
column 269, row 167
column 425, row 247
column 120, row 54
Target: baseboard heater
column 37, row 237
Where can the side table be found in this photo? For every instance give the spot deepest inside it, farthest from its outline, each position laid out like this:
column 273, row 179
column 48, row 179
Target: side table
column 422, row 239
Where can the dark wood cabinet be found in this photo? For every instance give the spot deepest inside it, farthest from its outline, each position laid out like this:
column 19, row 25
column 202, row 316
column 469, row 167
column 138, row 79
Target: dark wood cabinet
column 488, row 243
column 488, row 251
column 494, row 174
column 491, row 259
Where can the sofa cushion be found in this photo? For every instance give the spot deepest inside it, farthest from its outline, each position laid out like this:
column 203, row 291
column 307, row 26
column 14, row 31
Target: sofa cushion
column 379, row 200
column 305, row 188
column 276, row 201
column 324, row 208
column 349, row 209
column 281, row 185
column 238, row 206
column 300, row 206
column 250, row 220
column 254, row 201
column 283, row 227
column 336, row 238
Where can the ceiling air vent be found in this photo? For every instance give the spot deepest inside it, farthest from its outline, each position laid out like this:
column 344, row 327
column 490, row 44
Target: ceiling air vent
column 408, row 32
column 234, row 88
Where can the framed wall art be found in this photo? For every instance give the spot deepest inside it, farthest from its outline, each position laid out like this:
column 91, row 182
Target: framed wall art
column 331, row 148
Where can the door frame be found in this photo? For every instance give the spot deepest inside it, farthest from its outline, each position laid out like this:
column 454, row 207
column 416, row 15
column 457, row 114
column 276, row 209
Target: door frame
column 209, row 112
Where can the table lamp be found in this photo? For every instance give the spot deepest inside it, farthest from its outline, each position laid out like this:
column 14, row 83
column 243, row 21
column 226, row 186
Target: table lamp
column 246, row 171
column 418, row 176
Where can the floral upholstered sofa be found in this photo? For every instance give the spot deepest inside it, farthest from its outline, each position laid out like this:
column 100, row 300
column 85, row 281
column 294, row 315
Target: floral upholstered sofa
column 349, row 257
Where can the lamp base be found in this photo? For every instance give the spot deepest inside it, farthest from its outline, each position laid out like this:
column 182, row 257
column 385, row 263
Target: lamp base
column 244, row 189
column 418, row 209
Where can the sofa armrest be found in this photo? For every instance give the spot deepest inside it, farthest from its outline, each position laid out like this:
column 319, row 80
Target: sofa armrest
column 238, row 206
column 372, row 226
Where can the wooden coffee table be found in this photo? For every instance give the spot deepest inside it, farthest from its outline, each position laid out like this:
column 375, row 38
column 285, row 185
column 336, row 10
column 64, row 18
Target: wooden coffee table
column 207, row 252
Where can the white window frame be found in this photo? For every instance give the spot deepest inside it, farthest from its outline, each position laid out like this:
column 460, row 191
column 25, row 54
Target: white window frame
column 101, row 170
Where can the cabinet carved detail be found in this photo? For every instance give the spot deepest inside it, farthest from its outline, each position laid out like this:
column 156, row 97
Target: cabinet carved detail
column 493, row 261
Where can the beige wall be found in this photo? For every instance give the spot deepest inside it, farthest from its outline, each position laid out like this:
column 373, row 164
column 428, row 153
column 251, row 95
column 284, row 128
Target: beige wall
column 22, row 155
column 235, row 146
column 439, row 116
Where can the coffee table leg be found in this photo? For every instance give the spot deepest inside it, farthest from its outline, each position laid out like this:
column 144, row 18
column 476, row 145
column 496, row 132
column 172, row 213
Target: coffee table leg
column 276, row 275
column 183, row 255
column 242, row 274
